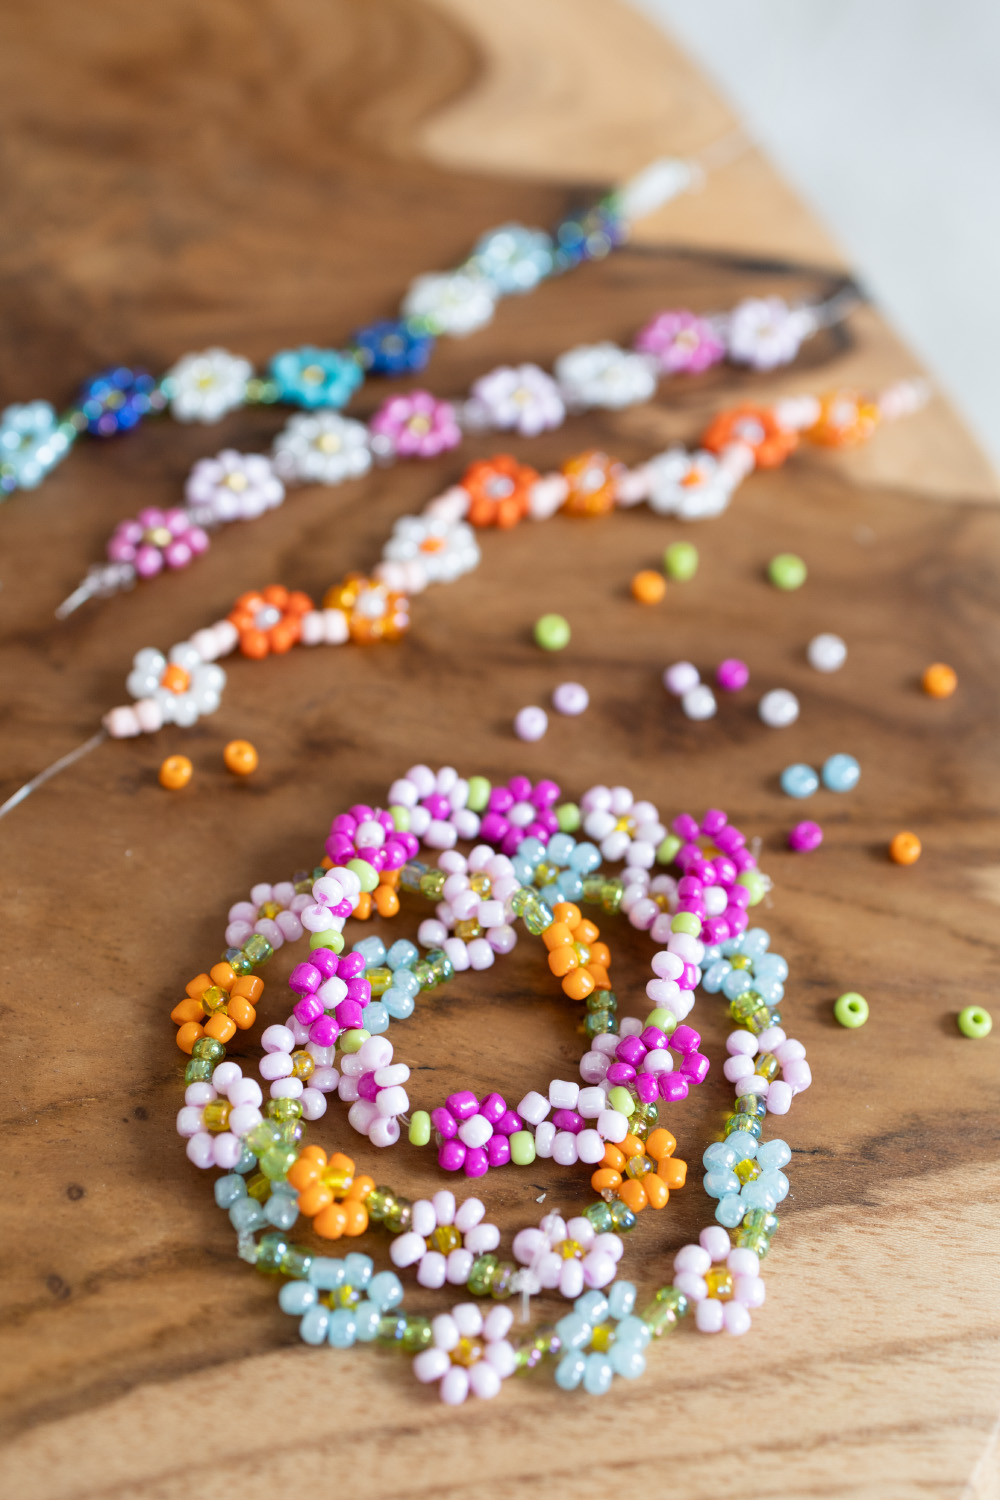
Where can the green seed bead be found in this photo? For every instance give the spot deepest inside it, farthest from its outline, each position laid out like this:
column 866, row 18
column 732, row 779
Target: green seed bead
column 412, row 874
column 686, row 921
column 599, row 1215
column 522, row 1148
column 974, row 1021
column 481, row 1276
column 786, row 571
column 441, row 964
column 680, row 561
column 619, row 1098
column 354, row 1040
column 432, row 884
column 538, row 918
column 263, row 1136
column 664, row 1019
column 417, row 1335
column 622, row 1217
column 593, row 887
column 601, row 1000
column 667, row 849
column 283, row 1109
column 568, row 817
column 237, row 959
column 296, row 1262
column 366, row 873
column 852, row 1010
column 271, row 1251
column 391, row 1329
column 257, row 949
column 420, row 1128
column 379, row 1202
column 552, row 632
column 199, row 1070
column 208, row 1048
column 743, row 1120
column 400, row 818
column 612, row 892
column 501, row 1287
column 754, row 883
column 423, row 972
column 278, row 1161
column 479, row 793
column 331, row 939
column 398, row 1218
column 599, row 1023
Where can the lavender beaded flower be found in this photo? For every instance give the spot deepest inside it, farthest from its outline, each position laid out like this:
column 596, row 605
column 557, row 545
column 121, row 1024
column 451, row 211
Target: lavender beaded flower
column 522, row 399
column 31, row 443
column 444, row 1240
column 764, row 332
column 514, row 258
column 157, row 539
column 566, row 1257
column 604, row 375
column 373, row 1085
column 681, row 342
column 117, row 400
column 414, row 425
column 470, row 1354
column 314, row 377
column 392, row 347
column 232, row 487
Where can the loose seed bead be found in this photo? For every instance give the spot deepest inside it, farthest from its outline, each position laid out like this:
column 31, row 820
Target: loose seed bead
column 570, row 698
column 805, row 836
column 851, row 1009
column 681, row 678
column 799, row 780
column 680, row 561
column 939, row 681
column 240, row 757
column 841, row 773
column 175, row 772
column 973, row 1021
column 786, row 571
column 905, row 849
column 552, row 632
column 699, row 703
column 732, row 674
column 531, row 723
column 779, row 708
column 648, row 587
column 826, row 653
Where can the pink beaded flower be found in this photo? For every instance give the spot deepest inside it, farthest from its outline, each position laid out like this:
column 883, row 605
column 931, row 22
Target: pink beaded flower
column 373, row 1086
column 682, row 342
column 155, row 539
column 474, row 1136
column 369, row 833
column 567, row 1257
column 518, row 811
column 443, row 1240
column 272, row 911
column 470, row 1354
column 723, row 1283
column 414, row 425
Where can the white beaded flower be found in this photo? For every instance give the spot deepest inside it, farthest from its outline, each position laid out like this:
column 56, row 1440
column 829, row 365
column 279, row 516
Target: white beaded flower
column 428, row 549
column 566, row 1257
column 450, row 302
column 443, row 1241
column 322, row 448
column 765, row 332
column 203, row 387
column 470, row 1354
column 604, row 375
column 520, row 398
column 623, row 828
column 690, row 485
column 183, row 687
column 232, row 487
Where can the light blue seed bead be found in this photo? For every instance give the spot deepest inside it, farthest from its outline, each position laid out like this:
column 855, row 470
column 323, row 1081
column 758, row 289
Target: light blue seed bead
column 720, row 1156
column 376, row 1018
column 246, row 1163
column 385, row 1290
column 315, row 1325
column 715, row 973
column 372, row 950
column 586, row 858
column 229, row 1189
column 731, row 946
column 757, row 1194
column 296, row 1297
column 573, row 1331
column 561, row 846
column 569, row 1371
column 735, row 982
column 570, row 885
column 729, row 1211
column 719, row 1184
column 550, row 893
column 399, row 1005
column 246, row 1215
column 523, row 871
column 770, row 990
column 756, row 941
column 593, row 1306
column 773, row 1155
column 531, row 850
column 407, row 981
column 773, row 965
column 358, row 1269
column 402, row 954
column 367, row 1317
column 799, row 780
column 713, row 953
column 743, row 1146
column 327, row 1273
column 281, row 1210
column 632, row 1331
column 621, row 1299
column 777, row 1183
column 343, row 1329
column 627, row 1360
column 841, row 773
column 598, row 1374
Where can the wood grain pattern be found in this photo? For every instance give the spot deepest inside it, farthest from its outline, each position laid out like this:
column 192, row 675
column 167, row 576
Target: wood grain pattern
column 260, row 174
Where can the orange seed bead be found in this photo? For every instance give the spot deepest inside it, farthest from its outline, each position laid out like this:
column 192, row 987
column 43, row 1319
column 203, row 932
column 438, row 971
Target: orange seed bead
column 197, row 986
column 600, row 953
column 660, row 1144
column 331, row 1223
column 363, row 910
column 250, row 986
column 631, row 1146
column 241, row 1012
column 386, row 901
column 578, row 984
column 360, row 1188
column 905, row 849
column 633, row 1194
column 304, row 1172
column 175, row 679
column 188, row 1034
column 939, row 681
column 557, row 935
column 222, row 1028
column 568, row 912
column 240, row 757
column 649, row 587
column 224, row 975
column 175, row 772
column 672, row 1170
column 314, row 1199
column 600, row 976
column 563, row 960
column 187, row 1010
column 586, row 932
column 357, row 1216
column 341, row 1163
column 605, row 1179
column 656, row 1190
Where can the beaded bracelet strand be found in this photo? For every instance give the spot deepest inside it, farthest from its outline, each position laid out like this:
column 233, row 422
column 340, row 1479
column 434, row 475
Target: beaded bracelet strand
column 325, row 448
column 203, row 387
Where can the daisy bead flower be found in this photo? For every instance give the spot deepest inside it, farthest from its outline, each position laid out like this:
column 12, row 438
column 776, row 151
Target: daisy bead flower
column 602, row 1338
column 232, row 487
column 567, row 1257
column 681, row 342
column 722, row 1283
column 764, row 332
column 469, row 1355
column 157, row 539
column 313, row 377
column 373, row 1085
column 203, row 387
column 322, row 448
column 604, row 375
column 514, row 258
column 770, row 1066
column 183, row 687
column 392, row 347
column 272, row 911
column 475, row 1135
column 452, row 302
column 745, row 1174
column 414, row 425
column 439, row 804
column 623, row 828
column 31, row 443
column 690, row 485
column 443, row 1240
column 427, row 549
column 520, row 399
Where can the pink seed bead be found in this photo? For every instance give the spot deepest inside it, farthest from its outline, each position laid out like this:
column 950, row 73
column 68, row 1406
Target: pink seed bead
column 732, row 674
column 477, row 1161
column 805, row 836
column 570, row 698
column 451, row 1156
column 531, row 723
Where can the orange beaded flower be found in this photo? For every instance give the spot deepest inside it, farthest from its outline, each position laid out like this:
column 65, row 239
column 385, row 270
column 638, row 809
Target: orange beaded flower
column 374, row 612
column 499, row 490
column 269, row 620
column 756, row 426
column 217, row 1005
column 641, row 1173
column 575, row 955
column 593, row 480
column 329, row 1192
column 846, row 419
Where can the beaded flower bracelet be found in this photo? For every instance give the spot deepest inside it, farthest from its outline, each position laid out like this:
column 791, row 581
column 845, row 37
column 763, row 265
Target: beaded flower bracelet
column 323, row 447
column 203, row 387
column 272, row 1177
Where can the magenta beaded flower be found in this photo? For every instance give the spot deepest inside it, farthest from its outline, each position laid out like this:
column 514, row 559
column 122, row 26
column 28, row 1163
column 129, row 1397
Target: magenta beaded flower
column 518, row 811
column 682, row 342
column 157, row 539
column 474, row 1135
column 414, row 425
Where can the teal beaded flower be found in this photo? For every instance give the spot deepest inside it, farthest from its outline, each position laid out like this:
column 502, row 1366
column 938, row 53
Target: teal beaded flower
column 513, row 258
column 315, row 377
column 32, row 441
column 750, row 978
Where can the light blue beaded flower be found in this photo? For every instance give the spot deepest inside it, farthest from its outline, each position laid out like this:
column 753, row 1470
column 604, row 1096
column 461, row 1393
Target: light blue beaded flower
column 572, row 860
column 513, row 258
column 32, row 442
column 765, row 1191
column 766, row 973
column 397, row 1002
column 356, row 1319
column 595, row 1352
column 315, row 378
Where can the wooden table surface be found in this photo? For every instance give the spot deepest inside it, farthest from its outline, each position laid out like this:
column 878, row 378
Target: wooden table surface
column 261, row 175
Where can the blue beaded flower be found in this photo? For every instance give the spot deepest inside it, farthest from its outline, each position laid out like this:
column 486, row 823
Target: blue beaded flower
column 32, row 441
column 117, row 400
column 316, row 377
column 589, row 236
column 756, row 968
column 595, row 1353
column 764, row 1191
column 559, row 867
column 513, row 258
column 392, row 347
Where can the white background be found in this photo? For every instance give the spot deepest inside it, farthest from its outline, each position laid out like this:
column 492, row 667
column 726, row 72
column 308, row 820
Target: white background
column 885, row 116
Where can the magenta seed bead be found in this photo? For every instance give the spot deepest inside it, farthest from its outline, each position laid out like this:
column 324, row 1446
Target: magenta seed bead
column 351, row 965
column 695, row 1067
column 324, row 1032
column 395, row 855
column 805, row 836
column 350, row 1015
column 385, row 818
column 309, row 1009
column 715, row 930
column 327, row 962
column 739, row 896
column 493, row 827
column 630, row 1050
column 620, row 1073
column 690, row 977
column 685, row 1039
column 498, row 1150
column 568, row 1119
column 689, row 886
column 738, row 920
column 510, row 1124
column 361, row 812
column 305, row 978
column 359, row 990
column 713, row 822
column 344, row 823
column 451, row 1156
column 444, row 1123
column 510, row 841
column 501, row 799
column 437, row 805
column 725, row 870
column 673, row 1087
column 367, row 1087
column 520, row 788
column 477, row 1161
column 647, row 1087
column 686, row 828
column 732, row 674
column 463, row 1105
column 653, row 1039
column 493, row 1108
column 744, row 860
column 545, row 794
